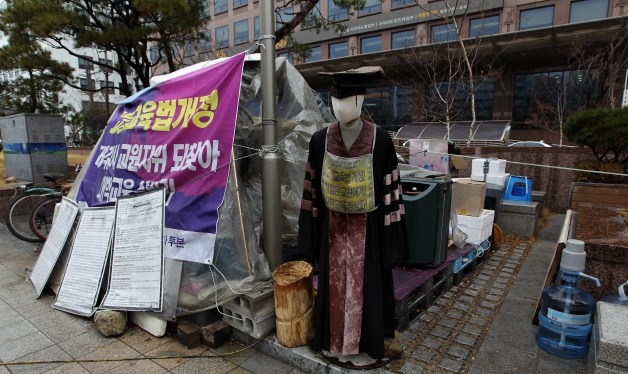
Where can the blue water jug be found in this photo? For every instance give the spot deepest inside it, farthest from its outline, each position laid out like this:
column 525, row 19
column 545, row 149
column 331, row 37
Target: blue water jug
column 518, row 188
column 566, row 310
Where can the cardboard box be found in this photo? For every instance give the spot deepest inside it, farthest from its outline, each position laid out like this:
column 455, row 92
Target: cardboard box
column 468, row 196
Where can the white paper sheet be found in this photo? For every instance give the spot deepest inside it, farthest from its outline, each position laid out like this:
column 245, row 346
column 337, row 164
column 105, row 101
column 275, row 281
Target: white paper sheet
column 83, row 276
column 136, row 277
column 63, row 223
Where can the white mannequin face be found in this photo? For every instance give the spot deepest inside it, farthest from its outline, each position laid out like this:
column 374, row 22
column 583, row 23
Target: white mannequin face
column 347, row 110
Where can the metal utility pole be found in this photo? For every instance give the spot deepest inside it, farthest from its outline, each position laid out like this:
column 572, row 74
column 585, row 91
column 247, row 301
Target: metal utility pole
column 271, row 192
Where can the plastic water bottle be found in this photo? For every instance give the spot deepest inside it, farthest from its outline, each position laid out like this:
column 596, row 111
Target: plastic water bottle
column 620, row 298
column 566, row 310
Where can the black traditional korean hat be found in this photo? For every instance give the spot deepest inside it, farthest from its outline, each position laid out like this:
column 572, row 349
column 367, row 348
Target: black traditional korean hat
column 354, row 81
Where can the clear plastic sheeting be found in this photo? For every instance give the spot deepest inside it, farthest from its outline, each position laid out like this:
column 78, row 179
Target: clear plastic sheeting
column 239, row 262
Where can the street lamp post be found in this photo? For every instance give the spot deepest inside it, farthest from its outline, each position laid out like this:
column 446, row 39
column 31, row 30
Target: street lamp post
column 271, row 193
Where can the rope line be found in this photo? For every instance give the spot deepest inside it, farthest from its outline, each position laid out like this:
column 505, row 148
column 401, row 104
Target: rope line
column 216, row 355
column 521, row 163
column 213, row 171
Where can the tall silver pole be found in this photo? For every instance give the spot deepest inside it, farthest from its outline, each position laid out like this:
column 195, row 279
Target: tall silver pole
column 271, row 192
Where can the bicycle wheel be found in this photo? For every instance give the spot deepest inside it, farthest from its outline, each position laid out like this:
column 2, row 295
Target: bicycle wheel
column 18, row 213
column 41, row 216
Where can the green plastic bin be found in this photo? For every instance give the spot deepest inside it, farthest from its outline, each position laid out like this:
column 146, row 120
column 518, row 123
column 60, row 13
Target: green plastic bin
column 427, row 202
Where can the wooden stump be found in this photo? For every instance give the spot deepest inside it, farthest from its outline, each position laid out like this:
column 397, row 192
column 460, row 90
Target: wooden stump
column 294, row 303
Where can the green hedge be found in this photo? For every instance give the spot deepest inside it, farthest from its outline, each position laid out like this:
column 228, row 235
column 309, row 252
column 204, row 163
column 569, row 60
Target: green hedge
column 603, row 130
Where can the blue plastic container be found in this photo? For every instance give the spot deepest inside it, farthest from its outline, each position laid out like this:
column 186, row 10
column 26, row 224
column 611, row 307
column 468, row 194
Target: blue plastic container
column 566, row 310
column 565, row 319
column 518, row 188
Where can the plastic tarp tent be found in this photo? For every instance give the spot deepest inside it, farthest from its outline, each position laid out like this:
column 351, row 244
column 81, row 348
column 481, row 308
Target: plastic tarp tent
column 239, row 263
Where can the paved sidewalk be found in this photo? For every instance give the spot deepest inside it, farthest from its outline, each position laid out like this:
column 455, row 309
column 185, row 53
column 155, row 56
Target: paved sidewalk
column 483, row 325
column 30, row 330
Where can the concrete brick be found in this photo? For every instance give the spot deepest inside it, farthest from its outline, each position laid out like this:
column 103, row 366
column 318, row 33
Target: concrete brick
column 455, row 314
column 466, row 339
column 441, row 331
column 215, row 334
column 612, row 337
column 484, row 312
column 432, row 342
column 255, row 303
column 422, row 354
column 451, row 365
column 189, row 335
column 473, row 329
column 459, row 351
column 257, row 327
column 478, row 321
column 488, row 304
column 518, row 218
column 410, row 368
column 447, row 322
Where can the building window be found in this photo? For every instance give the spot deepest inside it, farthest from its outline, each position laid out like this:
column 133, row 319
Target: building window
column 239, row 3
column 283, row 16
column 188, row 49
column 315, row 54
column 390, row 107
column 104, row 84
column 205, row 42
column 336, row 13
column 205, row 10
column 402, row 39
column 241, row 32
column 84, row 83
column 484, row 26
column 401, row 3
column 312, row 18
column 536, row 18
column 287, row 55
column 542, row 97
column 586, row 10
column 370, row 7
column 450, row 99
column 85, row 63
column 105, row 61
column 222, row 37
column 256, row 28
column 155, row 54
column 337, row 50
column 220, row 6
column 371, row 44
column 444, row 33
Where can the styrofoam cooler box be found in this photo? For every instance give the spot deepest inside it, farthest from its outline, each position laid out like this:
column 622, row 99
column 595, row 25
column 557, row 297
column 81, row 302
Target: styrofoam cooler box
column 495, row 166
column 497, row 179
column 479, row 228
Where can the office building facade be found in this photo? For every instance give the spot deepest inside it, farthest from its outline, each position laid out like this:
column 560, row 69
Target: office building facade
column 530, row 58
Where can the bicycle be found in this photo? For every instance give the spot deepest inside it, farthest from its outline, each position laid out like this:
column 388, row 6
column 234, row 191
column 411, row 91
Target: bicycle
column 42, row 214
column 26, row 197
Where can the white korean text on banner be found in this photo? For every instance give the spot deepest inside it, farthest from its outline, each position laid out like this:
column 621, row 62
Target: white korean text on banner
column 177, row 134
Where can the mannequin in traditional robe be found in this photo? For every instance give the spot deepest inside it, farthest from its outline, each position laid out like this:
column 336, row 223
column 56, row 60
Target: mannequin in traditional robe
column 351, row 221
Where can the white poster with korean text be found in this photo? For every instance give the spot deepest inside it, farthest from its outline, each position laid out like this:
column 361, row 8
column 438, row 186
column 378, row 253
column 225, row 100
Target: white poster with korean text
column 135, row 281
column 62, row 225
column 84, row 273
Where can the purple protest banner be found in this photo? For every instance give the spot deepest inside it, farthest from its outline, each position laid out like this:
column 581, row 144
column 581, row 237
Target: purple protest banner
column 176, row 134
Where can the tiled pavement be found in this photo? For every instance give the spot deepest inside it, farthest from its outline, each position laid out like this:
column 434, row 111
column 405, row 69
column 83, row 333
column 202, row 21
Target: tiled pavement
column 480, row 326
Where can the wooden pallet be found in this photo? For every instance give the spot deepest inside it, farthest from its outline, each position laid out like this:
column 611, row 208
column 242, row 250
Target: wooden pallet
column 410, row 308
